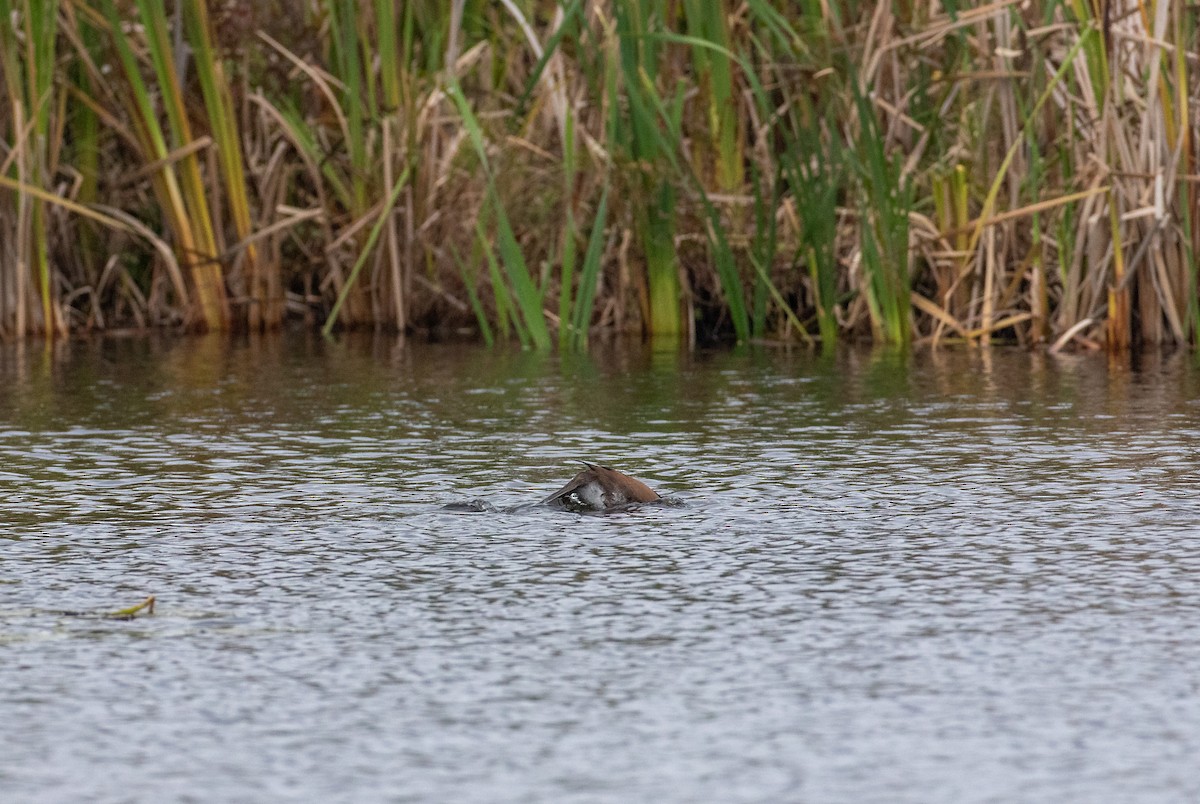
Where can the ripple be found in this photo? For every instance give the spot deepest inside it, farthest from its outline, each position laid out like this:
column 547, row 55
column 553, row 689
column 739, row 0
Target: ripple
column 890, row 581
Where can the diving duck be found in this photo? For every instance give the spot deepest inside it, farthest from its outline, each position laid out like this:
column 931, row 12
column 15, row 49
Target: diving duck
column 599, row 488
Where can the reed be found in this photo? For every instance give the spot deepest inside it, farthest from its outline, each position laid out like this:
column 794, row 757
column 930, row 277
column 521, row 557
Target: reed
column 29, row 53
column 567, row 335
column 884, row 205
column 814, row 168
column 547, row 170
column 526, row 293
column 84, row 155
column 581, row 313
column 263, row 291
column 634, row 130
column 715, row 68
column 171, row 154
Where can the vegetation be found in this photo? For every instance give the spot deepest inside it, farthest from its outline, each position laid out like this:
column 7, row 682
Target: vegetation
column 547, row 170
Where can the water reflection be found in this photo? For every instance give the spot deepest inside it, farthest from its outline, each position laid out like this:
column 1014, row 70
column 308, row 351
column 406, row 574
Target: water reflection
column 951, row 576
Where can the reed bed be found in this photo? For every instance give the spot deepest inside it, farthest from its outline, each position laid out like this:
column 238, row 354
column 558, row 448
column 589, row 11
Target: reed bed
column 550, row 171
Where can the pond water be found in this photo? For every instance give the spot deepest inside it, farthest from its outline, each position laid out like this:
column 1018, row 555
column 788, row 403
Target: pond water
column 954, row 577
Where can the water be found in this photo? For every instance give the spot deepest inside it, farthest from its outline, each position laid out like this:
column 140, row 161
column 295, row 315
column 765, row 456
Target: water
column 957, row 577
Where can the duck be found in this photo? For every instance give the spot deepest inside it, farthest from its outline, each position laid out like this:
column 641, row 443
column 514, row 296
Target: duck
column 601, row 488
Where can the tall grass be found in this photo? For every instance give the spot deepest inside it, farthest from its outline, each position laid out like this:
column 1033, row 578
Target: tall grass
column 28, row 50
column 814, row 168
column 885, row 202
column 637, row 133
column 551, row 170
column 162, row 128
column 528, row 296
column 263, row 295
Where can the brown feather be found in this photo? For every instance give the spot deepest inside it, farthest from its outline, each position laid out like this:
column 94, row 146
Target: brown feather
column 599, row 487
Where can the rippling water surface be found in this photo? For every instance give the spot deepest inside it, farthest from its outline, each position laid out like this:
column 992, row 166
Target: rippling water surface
column 960, row 577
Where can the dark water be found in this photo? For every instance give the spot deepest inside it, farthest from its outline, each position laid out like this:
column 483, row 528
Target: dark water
column 961, row 577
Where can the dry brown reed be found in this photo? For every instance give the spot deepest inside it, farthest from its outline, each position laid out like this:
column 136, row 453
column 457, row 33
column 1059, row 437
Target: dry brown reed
column 761, row 169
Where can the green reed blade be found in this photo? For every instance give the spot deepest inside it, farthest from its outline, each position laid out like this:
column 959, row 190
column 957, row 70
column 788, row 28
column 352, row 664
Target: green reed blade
column 636, row 130
column 222, row 120
column 763, row 248
column 367, row 249
column 884, row 207
column 708, row 21
column 571, row 17
column 470, row 282
column 183, row 195
column 761, row 270
column 590, row 274
column 506, row 311
column 660, row 225
column 814, row 168
column 302, row 137
column 28, row 63
column 390, row 65
column 570, row 21
column 566, row 296
column 528, row 296
column 86, row 142
column 349, row 71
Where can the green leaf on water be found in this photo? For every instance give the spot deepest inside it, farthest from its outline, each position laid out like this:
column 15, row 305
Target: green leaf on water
column 146, row 606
